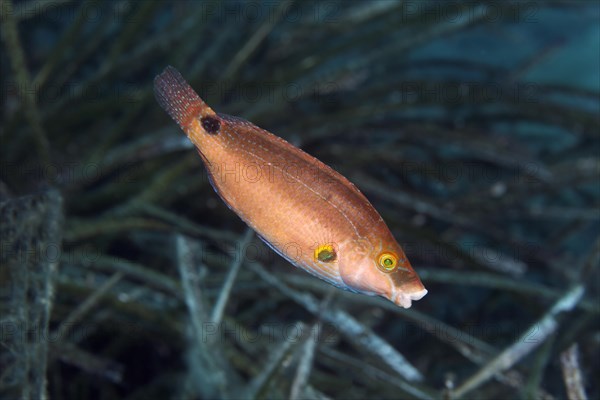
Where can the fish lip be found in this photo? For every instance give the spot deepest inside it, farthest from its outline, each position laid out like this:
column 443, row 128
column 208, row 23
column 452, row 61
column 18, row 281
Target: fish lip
column 405, row 299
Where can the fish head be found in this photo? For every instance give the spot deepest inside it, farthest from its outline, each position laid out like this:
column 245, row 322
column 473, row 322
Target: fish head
column 379, row 268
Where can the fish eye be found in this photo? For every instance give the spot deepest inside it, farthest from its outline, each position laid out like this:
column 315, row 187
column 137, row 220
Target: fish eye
column 325, row 253
column 387, row 262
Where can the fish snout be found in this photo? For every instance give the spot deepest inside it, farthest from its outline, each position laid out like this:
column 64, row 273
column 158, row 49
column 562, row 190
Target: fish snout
column 404, row 299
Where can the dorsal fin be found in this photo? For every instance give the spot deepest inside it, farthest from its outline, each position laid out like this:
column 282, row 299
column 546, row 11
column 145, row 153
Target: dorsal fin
column 177, row 98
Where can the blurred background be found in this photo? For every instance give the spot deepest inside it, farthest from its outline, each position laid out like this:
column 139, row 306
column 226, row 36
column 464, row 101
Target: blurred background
column 472, row 126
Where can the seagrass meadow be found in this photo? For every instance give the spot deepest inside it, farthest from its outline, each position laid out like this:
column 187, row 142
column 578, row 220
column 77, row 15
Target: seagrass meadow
column 472, row 127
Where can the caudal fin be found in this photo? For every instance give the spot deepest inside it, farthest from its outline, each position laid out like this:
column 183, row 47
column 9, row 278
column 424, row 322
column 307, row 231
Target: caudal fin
column 178, row 98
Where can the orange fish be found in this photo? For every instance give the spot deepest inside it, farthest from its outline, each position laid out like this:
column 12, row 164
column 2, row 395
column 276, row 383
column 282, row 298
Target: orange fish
column 304, row 210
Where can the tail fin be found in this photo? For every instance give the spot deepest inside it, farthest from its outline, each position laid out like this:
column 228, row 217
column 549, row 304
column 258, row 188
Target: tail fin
column 178, row 98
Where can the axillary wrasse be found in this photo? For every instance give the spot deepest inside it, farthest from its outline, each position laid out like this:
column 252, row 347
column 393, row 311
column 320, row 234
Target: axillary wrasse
column 307, row 212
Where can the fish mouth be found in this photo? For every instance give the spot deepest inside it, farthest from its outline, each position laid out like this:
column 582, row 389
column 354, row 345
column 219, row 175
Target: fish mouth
column 405, row 299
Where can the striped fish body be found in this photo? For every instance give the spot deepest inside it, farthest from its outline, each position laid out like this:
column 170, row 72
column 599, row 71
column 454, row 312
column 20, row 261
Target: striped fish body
column 307, row 212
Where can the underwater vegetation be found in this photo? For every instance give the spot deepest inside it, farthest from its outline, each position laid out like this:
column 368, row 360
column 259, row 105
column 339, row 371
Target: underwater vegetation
column 471, row 126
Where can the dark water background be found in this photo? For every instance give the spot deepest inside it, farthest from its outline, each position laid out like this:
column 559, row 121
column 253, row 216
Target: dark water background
column 472, row 126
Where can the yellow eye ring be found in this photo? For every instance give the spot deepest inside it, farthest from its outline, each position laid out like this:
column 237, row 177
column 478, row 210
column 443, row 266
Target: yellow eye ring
column 387, row 262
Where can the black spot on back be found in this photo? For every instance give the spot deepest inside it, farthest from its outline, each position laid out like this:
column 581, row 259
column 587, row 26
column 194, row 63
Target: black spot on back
column 211, row 124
